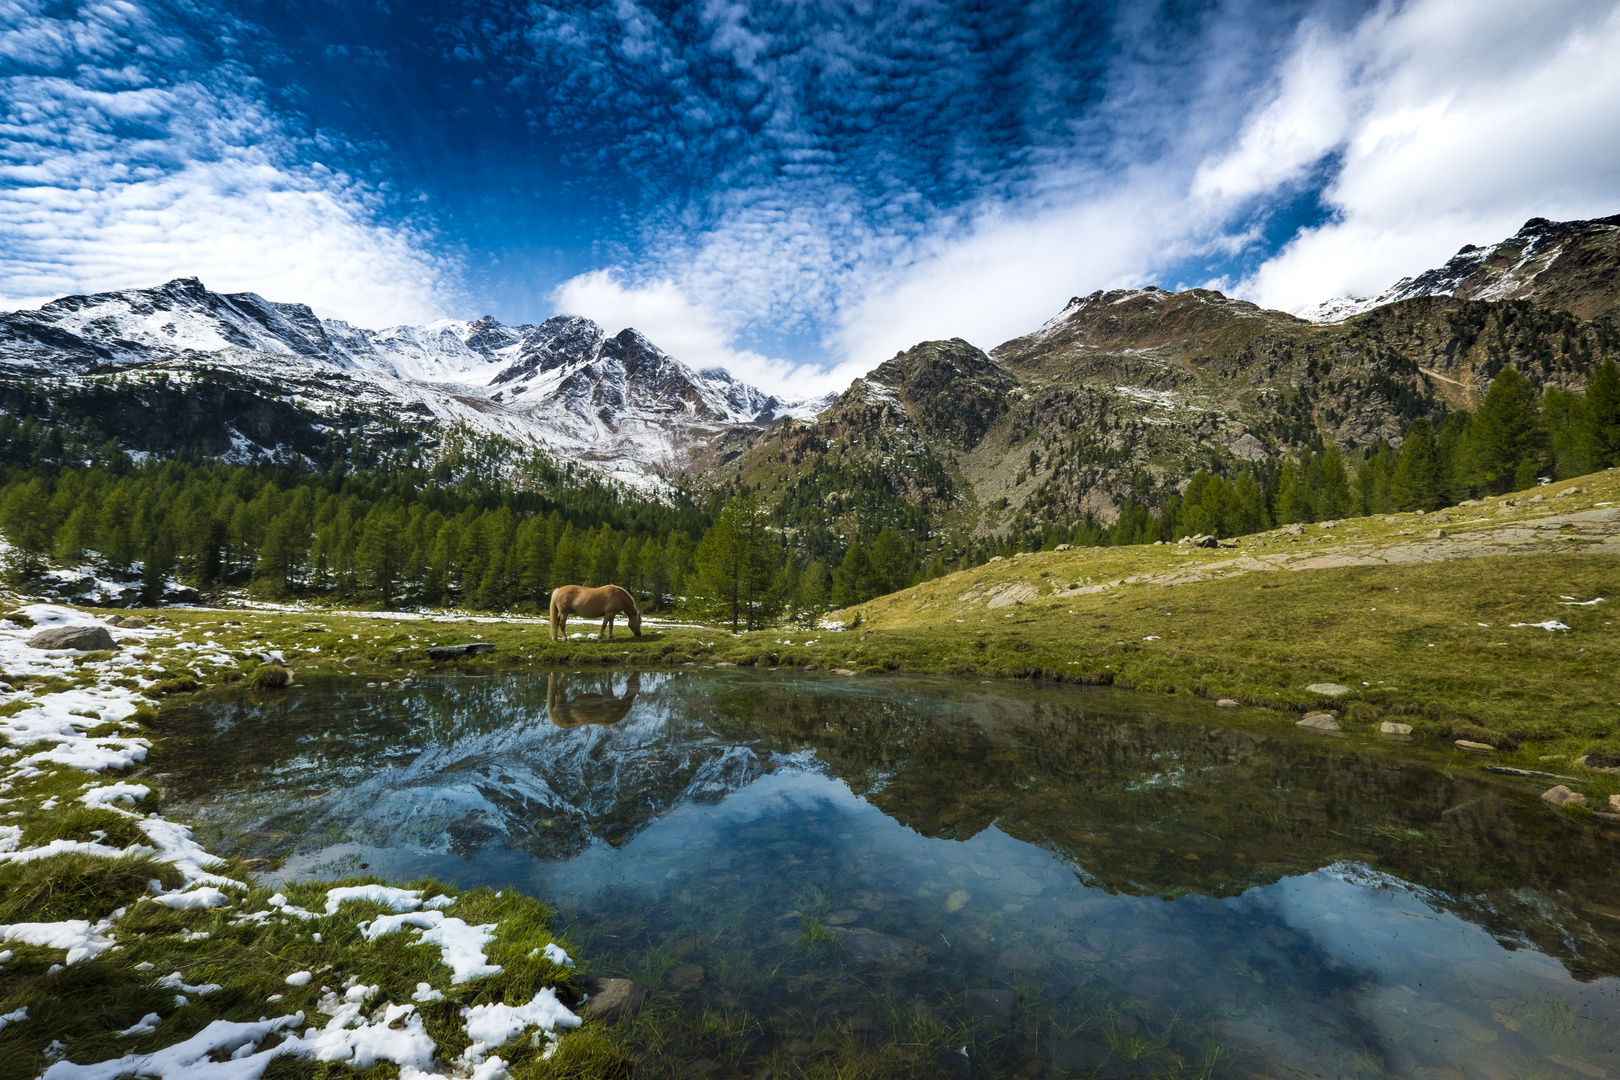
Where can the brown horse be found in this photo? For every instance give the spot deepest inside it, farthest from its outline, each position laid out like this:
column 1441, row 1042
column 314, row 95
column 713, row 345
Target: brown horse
column 596, row 705
column 604, row 602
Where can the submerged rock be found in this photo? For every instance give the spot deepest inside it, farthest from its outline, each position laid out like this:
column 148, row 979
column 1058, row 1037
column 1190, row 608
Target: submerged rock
column 80, row 638
column 868, row 948
column 613, row 998
column 953, row 1061
column 994, row 1007
column 1563, row 796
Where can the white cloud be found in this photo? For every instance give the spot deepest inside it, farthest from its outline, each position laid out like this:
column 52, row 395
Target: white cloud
column 115, row 178
column 1462, row 120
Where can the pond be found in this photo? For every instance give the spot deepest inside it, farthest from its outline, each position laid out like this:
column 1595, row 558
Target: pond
column 817, row 873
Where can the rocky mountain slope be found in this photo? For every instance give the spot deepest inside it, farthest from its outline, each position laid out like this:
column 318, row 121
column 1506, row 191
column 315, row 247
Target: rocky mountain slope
column 1125, row 393
column 182, row 366
column 1569, row 266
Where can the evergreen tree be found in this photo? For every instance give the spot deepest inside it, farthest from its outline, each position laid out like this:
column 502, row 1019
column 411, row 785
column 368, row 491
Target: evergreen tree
column 1417, row 483
column 381, row 552
column 1602, row 399
column 1506, row 444
column 892, row 563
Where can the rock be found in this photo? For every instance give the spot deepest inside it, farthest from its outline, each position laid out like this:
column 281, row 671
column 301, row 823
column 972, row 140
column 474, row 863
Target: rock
column 998, row 558
column 182, row 596
column 1295, row 529
column 1390, row 727
column 1063, row 547
column 1562, row 796
column 1614, row 802
column 1078, row 1054
column 868, row 948
column 1328, row 689
column 812, row 667
column 613, row 998
column 127, row 622
column 1438, row 534
column 1469, row 744
column 1226, row 703
column 953, row 1062
column 1230, row 542
column 843, row 671
column 699, row 1068
column 1328, row 524
column 80, row 638
column 450, row 652
column 1202, row 540
column 724, row 663
column 351, row 661
column 994, row 1007
column 1319, row 721
column 686, row 976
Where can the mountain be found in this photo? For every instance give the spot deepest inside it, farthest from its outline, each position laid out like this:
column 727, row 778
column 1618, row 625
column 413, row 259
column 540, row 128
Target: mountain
column 238, row 375
column 1569, row 266
column 1127, row 393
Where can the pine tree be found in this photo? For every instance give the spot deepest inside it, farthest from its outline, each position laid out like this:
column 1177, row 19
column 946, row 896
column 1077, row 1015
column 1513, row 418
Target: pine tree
column 1507, row 444
column 1602, row 400
column 381, row 551
column 891, row 563
column 1416, row 484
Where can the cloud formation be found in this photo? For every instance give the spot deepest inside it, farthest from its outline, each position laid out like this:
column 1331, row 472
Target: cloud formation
column 127, row 158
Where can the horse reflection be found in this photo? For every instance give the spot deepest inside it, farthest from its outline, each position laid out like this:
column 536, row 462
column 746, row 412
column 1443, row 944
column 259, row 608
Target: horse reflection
column 593, row 703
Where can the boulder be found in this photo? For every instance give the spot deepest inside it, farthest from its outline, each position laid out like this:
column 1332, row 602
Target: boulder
column 613, row 998
column 994, row 1007
column 1614, row 802
column 1469, row 744
column 1295, row 529
column 1390, row 727
column 1562, row 796
column 868, row 948
column 843, row 671
column 1328, row 689
column 80, row 638
column 953, row 1061
column 1226, row 703
column 450, row 652
column 1319, row 721
column 1063, row 547
column 127, row 622
column 1438, row 534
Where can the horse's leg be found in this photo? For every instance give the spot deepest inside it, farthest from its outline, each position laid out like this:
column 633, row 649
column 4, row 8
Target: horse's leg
column 606, row 633
column 559, row 624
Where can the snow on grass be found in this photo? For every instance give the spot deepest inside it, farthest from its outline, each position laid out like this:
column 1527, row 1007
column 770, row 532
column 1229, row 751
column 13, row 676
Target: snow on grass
column 79, row 937
column 461, row 945
column 205, row 897
column 1550, row 624
column 108, row 794
column 489, row 1026
column 397, row 899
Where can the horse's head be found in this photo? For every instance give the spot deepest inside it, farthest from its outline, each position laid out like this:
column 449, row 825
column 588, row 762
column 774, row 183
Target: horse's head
column 635, row 620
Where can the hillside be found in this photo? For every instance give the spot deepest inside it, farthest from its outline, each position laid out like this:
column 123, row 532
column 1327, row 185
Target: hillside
column 1125, row 394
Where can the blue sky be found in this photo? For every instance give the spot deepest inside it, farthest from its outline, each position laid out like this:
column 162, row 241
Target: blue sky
column 793, row 190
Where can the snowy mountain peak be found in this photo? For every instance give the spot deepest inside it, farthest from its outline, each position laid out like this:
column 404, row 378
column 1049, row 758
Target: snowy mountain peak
column 564, row 385
column 1550, row 260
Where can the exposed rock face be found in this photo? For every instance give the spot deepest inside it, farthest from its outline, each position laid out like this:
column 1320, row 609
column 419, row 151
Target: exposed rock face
column 81, row 638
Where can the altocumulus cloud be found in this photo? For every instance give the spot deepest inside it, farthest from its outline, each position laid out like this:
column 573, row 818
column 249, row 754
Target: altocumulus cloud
column 129, row 156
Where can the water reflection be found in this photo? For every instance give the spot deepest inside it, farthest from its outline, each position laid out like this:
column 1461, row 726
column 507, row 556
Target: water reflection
column 1148, row 892
column 593, row 699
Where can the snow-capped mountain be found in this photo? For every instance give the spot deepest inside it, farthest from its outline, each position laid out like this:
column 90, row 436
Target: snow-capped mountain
column 1559, row 263
column 566, row 386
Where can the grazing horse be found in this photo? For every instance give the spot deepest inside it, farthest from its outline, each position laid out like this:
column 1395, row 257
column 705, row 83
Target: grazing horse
column 605, row 602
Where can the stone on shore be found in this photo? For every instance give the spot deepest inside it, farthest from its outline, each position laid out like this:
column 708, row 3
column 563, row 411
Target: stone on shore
column 1226, row 703
column 1328, row 689
column 1469, row 744
column 450, row 652
column 1390, row 727
column 1562, row 796
column 1319, row 721
column 79, row 638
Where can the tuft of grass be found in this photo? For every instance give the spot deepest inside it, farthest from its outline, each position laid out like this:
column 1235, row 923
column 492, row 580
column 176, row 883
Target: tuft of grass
column 75, row 886
column 270, row 677
column 82, row 823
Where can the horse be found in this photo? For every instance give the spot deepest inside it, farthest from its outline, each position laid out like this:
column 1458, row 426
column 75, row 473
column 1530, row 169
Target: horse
column 607, row 601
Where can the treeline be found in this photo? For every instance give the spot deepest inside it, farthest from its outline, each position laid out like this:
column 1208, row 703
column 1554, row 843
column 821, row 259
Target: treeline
column 1518, row 438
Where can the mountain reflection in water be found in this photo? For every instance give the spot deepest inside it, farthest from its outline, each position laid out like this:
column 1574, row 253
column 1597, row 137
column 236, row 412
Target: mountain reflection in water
column 1162, row 894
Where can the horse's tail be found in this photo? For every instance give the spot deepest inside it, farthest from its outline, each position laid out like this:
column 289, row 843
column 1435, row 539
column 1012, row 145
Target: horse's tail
column 555, row 611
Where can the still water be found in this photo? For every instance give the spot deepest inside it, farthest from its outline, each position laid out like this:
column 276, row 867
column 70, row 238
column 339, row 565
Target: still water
column 1070, row 882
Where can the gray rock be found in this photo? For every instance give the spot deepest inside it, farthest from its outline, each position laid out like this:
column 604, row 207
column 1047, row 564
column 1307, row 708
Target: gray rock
column 1295, row 529
column 1390, row 727
column 1328, row 689
column 697, row 1069
column 1078, row 1054
column 127, row 622
column 450, row 652
column 1226, row 703
column 1062, row 547
column 1319, row 721
column 953, row 1062
column 81, row 638
column 843, row 671
column 994, row 1007
column 686, row 976
column 1562, row 796
column 868, row 948
column 1438, row 534
column 613, row 998
column 351, row 661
